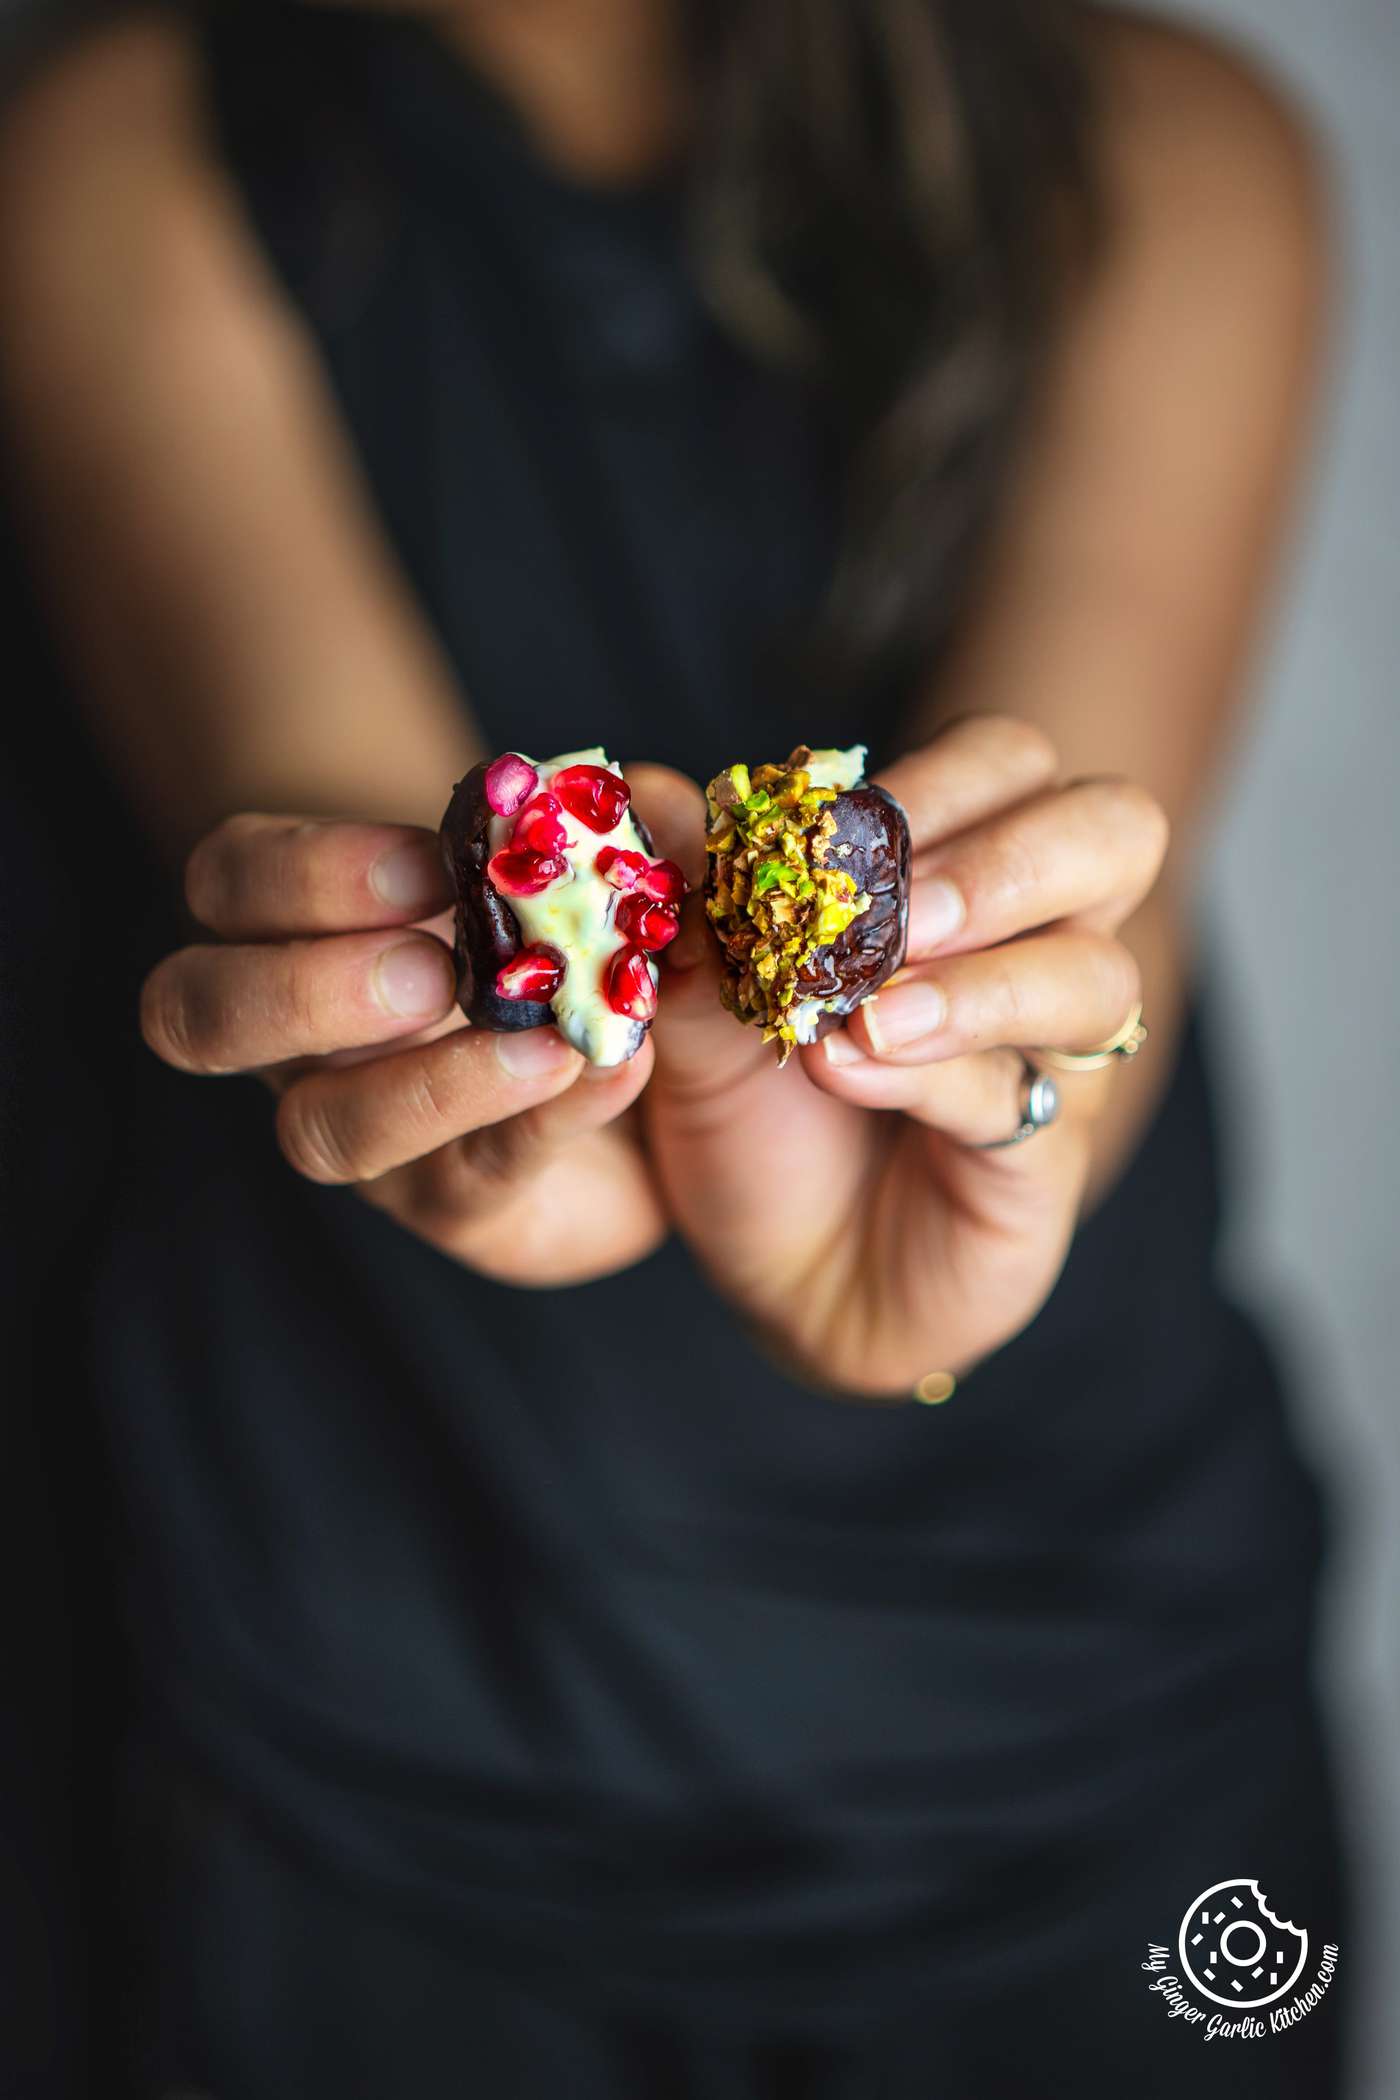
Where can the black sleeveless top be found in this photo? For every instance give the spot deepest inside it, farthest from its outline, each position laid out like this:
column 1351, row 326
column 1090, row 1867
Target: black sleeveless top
column 563, row 1616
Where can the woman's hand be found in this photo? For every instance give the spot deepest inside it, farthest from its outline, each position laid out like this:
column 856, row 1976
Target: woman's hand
column 334, row 982
column 878, row 1247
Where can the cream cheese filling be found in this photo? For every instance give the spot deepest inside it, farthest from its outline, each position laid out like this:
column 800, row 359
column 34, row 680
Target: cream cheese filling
column 837, row 769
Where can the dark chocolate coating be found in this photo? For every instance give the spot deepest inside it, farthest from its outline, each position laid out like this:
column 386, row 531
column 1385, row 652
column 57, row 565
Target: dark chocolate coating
column 486, row 932
column 872, row 947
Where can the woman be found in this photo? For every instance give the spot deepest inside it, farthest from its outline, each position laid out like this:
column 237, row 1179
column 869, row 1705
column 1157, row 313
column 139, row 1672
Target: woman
column 544, row 1664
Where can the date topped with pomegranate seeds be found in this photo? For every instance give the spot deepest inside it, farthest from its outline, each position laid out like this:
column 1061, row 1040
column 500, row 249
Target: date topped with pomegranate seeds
column 561, row 903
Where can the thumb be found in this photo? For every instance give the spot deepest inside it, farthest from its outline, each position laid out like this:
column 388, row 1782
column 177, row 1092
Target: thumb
column 701, row 1051
column 672, row 808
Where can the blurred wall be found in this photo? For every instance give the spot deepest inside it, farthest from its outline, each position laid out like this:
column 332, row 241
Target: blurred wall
column 1303, row 895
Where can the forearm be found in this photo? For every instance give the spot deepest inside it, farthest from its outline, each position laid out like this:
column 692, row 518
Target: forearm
column 234, row 638
column 236, row 623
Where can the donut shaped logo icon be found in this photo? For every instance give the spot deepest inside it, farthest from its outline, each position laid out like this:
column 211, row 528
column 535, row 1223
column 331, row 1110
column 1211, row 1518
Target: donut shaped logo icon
column 1235, row 1951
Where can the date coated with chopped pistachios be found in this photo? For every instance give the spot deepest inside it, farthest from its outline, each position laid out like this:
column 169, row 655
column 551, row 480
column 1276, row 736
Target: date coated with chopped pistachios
column 807, row 890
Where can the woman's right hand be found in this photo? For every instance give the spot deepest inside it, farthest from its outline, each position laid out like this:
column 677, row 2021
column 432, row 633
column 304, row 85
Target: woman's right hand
column 332, row 979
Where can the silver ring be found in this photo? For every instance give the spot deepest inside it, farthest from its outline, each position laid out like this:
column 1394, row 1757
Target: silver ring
column 1040, row 1104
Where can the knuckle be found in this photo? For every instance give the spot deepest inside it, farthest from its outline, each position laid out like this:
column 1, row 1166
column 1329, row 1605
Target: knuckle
column 242, row 824
column 298, row 996
column 214, row 870
column 310, row 1137
column 995, row 1005
column 1120, row 979
column 499, row 1153
column 1139, row 818
column 318, row 890
column 161, row 1028
column 309, row 873
column 205, row 882
column 1153, row 827
column 431, row 1101
column 1020, row 746
column 1012, row 999
column 1013, row 868
column 173, row 1024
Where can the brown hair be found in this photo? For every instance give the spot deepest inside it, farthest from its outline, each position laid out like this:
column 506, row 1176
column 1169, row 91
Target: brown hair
column 891, row 196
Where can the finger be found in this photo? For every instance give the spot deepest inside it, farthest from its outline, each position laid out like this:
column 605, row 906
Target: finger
column 261, row 877
column 673, row 809
column 212, row 1010
column 1070, row 989
column 974, row 1100
column 1089, row 851
column 972, row 768
column 280, row 1076
column 459, row 1182
column 1025, row 1194
column 700, row 1053
column 354, row 1123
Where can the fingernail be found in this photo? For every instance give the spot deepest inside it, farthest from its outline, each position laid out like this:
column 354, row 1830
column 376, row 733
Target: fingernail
column 936, row 911
column 413, row 980
column 903, row 1013
column 840, row 1050
column 408, row 878
column 533, row 1053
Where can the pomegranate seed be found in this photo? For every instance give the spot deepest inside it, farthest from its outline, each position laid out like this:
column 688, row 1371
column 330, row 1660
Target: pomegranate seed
column 509, row 779
column 592, row 794
column 537, row 828
column 535, row 972
column 628, row 985
column 664, row 881
column 622, row 869
column 650, row 925
column 516, row 872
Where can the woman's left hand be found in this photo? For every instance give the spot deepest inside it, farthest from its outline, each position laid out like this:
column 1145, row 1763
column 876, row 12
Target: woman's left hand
column 876, row 1248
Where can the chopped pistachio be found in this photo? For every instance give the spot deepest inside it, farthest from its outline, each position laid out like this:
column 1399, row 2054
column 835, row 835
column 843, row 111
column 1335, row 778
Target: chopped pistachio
column 773, row 899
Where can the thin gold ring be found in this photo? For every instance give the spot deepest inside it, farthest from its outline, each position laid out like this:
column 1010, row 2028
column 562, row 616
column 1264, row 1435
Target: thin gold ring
column 1126, row 1043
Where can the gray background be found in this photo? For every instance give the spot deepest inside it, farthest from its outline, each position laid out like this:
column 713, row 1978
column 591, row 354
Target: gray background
column 1302, row 892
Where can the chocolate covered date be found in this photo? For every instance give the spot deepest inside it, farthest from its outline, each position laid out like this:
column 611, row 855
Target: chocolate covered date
column 807, row 890
column 561, row 903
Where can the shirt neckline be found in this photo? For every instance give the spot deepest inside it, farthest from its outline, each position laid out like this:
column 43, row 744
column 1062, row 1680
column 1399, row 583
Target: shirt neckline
column 455, row 112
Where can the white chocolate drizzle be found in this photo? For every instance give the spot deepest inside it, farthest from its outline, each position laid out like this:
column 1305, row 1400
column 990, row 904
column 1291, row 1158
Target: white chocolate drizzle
column 576, row 917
